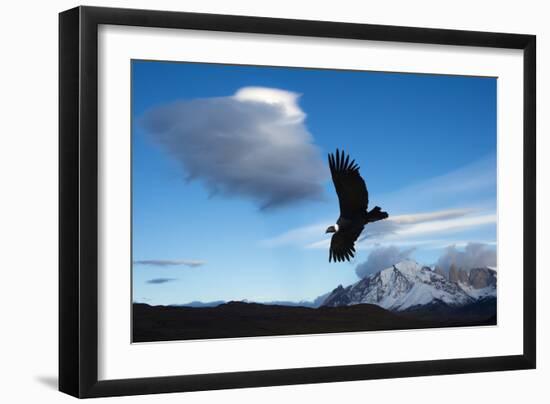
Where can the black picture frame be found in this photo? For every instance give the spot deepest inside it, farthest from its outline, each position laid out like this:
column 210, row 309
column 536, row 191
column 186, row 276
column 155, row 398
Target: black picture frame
column 78, row 201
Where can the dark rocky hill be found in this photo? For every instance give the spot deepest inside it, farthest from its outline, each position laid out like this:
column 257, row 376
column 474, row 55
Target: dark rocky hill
column 239, row 319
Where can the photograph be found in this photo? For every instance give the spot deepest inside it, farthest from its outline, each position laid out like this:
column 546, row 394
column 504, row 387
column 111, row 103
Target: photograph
column 270, row 201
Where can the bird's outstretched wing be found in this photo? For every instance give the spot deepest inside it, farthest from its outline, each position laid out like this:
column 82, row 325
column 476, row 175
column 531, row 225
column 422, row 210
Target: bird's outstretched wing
column 350, row 187
column 342, row 244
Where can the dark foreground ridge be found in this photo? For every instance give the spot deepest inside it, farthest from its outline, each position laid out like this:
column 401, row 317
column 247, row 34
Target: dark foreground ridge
column 239, row 319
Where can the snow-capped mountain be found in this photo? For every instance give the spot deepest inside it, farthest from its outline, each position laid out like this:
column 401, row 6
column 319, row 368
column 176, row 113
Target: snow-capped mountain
column 407, row 284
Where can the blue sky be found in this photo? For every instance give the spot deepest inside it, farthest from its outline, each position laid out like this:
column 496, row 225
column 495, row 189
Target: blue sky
column 230, row 190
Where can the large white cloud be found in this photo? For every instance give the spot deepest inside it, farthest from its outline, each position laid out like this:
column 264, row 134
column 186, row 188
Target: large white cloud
column 253, row 144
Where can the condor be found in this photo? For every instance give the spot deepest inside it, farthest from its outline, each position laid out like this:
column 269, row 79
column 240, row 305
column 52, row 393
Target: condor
column 354, row 199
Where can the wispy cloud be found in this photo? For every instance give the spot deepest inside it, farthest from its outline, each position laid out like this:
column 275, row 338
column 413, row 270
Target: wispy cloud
column 429, row 216
column 298, row 236
column 253, row 144
column 473, row 182
column 400, row 230
column 443, row 226
column 158, row 281
column 169, row 263
column 405, row 234
column 418, row 221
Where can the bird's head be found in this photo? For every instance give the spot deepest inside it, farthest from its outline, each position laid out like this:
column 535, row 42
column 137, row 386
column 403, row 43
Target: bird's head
column 332, row 229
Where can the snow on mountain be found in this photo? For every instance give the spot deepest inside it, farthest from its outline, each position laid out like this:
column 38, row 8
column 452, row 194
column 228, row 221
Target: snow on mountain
column 478, row 294
column 408, row 284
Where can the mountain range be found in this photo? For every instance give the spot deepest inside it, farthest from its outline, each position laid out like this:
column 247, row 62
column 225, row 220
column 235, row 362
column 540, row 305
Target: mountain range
column 403, row 296
column 408, row 286
column 404, row 286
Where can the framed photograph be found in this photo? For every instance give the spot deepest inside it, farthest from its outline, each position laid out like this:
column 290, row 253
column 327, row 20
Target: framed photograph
column 251, row 201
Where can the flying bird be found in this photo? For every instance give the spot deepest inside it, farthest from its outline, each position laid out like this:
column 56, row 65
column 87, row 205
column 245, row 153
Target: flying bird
column 354, row 199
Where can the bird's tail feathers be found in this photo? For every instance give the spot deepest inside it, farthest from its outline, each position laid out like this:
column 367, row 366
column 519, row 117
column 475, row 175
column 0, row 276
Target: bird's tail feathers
column 376, row 214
